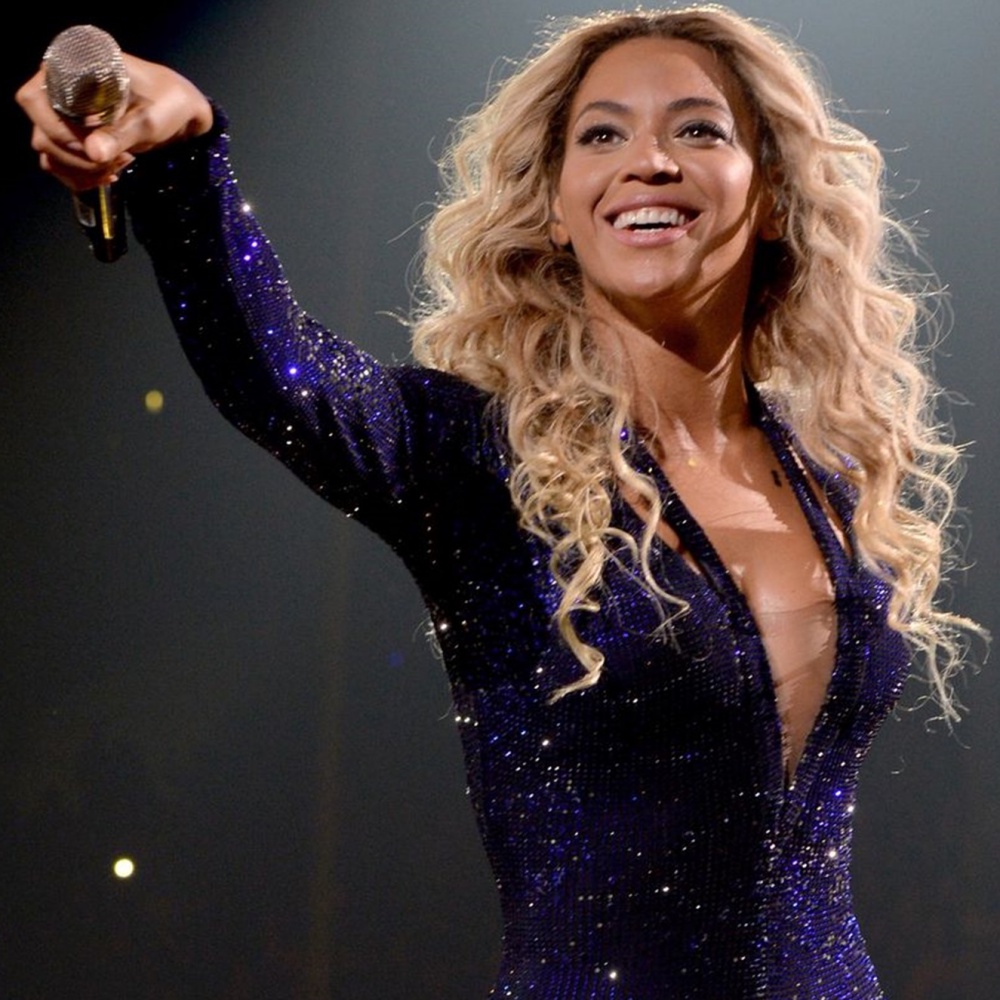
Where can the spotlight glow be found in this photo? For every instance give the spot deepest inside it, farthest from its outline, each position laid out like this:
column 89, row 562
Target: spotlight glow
column 154, row 401
column 124, row 868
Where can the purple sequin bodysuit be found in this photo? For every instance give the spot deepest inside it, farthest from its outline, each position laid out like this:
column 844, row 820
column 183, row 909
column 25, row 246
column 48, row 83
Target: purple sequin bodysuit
column 644, row 839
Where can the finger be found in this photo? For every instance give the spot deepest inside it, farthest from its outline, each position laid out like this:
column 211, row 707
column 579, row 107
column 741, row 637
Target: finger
column 60, row 139
column 105, row 144
column 34, row 101
column 81, row 174
column 70, row 155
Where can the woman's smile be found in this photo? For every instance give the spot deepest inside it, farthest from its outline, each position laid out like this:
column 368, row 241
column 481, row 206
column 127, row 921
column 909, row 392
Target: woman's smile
column 658, row 195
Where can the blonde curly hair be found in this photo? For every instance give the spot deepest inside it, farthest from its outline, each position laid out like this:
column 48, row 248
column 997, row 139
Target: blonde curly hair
column 831, row 330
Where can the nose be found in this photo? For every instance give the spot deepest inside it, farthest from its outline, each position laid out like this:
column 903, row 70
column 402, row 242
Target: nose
column 652, row 161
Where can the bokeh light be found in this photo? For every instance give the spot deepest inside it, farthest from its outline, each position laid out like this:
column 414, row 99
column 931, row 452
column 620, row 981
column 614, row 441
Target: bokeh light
column 123, row 868
column 154, row 401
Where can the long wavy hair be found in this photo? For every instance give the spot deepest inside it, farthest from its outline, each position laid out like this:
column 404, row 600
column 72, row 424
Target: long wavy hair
column 835, row 330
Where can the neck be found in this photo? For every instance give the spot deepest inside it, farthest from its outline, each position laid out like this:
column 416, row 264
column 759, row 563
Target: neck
column 687, row 384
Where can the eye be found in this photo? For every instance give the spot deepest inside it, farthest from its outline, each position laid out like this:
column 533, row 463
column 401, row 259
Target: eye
column 599, row 135
column 705, row 132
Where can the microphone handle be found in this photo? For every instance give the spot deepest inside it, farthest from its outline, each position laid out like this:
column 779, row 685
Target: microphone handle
column 101, row 215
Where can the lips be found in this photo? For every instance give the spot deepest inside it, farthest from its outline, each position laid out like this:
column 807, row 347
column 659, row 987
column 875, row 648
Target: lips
column 650, row 218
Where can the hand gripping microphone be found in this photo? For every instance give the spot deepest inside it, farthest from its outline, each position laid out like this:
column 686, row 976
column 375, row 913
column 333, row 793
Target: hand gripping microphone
column 87, row 84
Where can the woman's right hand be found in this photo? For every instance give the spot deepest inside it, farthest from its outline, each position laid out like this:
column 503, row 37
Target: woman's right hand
column 163, row 107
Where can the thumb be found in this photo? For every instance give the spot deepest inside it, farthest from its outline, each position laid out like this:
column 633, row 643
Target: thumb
column 102, row 145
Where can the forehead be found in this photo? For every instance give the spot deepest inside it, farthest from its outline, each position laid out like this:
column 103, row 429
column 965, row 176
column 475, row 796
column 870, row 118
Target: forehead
column 641, row 70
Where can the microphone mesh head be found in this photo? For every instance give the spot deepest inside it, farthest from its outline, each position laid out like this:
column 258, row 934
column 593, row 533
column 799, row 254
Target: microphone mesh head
column 85, row 75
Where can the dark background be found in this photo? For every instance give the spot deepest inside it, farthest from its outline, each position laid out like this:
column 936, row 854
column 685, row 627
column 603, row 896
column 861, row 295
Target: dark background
column 206, row 669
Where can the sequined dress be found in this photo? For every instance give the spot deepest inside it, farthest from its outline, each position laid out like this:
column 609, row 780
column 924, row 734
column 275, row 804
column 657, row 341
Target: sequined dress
column 645, row 840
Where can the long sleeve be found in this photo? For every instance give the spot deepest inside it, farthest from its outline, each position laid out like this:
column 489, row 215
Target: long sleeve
column 360, row 434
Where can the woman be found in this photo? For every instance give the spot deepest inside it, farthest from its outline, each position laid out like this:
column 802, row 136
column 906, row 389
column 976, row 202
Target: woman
column 665, row 472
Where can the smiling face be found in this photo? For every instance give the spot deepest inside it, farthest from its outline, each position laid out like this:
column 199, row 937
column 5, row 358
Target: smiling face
column 659, row 194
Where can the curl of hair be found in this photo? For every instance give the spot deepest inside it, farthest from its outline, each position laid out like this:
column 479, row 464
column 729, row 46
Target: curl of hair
column 833, row 327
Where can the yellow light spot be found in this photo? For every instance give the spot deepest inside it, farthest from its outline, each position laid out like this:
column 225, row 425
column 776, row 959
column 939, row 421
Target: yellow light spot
column 154, row 401
column 124, row 868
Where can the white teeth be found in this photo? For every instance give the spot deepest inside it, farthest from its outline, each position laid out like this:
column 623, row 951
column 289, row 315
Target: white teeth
column 650, row 217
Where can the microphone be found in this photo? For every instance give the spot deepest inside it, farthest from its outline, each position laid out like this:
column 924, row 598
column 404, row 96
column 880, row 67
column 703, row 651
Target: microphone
column 87, row 84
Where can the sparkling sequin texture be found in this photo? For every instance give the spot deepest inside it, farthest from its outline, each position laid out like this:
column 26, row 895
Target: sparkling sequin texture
column 645, row 841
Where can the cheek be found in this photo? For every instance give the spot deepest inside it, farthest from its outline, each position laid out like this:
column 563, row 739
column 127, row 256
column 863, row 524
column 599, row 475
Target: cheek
column 580, row 187
column 740, row 187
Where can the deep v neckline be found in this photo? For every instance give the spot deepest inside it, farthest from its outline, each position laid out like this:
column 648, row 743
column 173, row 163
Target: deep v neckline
column 713, row 571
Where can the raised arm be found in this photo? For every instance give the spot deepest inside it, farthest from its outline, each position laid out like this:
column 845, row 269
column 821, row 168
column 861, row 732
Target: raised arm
column 364, row 436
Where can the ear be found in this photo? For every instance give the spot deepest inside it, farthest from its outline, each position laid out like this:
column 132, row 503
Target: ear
column 773, row 212
column 772, row 226
column 558, row 232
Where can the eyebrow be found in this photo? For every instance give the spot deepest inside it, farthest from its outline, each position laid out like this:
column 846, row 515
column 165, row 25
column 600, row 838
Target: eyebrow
column 680, row 104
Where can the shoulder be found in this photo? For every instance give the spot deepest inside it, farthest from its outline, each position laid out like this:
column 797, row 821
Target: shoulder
column 439, row 386
column 453, row 415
